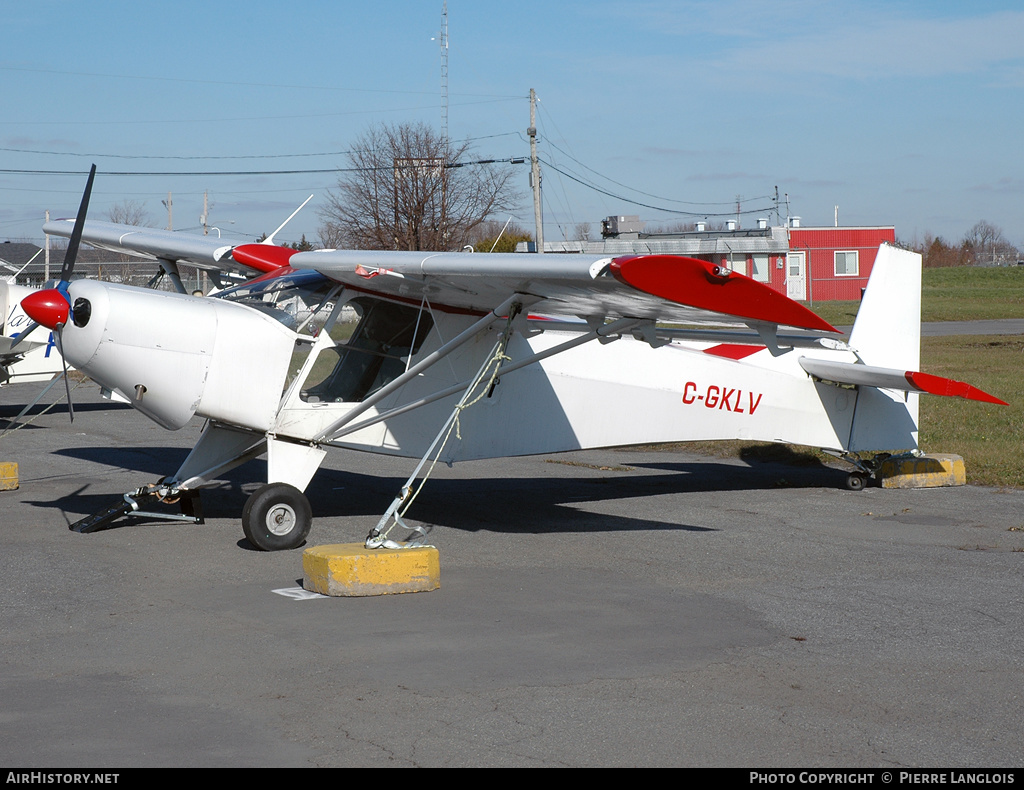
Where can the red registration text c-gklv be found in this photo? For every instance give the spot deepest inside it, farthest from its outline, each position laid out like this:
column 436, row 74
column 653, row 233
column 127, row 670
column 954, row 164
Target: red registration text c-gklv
column 727, row 398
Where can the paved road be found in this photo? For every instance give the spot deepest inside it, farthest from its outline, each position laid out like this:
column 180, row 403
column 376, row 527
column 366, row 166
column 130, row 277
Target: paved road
column 600, row 608
column 1003, row 326
column 1000, row 326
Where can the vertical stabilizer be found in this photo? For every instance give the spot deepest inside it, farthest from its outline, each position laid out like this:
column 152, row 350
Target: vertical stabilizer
column 887, row 332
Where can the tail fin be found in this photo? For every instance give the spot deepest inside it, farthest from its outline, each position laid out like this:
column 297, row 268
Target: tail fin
column 887, row 331
column 886, row 339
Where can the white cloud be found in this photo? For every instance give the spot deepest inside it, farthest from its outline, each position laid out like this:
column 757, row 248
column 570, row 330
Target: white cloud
column 889, row 46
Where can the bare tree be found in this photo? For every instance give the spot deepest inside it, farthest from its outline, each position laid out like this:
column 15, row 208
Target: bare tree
column 985, row 243
column 407, row 188
column 129, row 212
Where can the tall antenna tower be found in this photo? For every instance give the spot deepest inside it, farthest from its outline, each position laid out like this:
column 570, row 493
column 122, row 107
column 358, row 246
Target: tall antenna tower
column 444, row 73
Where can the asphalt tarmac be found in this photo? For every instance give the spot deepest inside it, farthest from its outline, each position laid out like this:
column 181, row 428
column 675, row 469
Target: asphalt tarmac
column 603, row 608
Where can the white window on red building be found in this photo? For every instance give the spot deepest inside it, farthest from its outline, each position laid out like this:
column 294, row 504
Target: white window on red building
column 737, row 262
column 847, row 264
column 760, row 267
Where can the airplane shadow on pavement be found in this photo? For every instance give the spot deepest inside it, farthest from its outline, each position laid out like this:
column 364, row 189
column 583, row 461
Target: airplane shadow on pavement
column 533, row 504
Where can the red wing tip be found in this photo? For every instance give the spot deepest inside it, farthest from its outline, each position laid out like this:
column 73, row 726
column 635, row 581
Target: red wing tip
column 264, row 257
column 707, row 286
column 938, row 385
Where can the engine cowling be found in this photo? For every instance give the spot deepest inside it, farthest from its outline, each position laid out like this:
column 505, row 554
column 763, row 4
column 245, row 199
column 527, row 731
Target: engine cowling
column 173, row 356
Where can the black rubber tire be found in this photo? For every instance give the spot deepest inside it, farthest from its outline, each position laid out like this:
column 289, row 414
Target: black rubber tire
column 856, row 482
column 277, row 517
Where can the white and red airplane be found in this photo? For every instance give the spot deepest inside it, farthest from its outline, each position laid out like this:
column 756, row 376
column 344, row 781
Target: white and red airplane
column 460, row 356
column 23, row 357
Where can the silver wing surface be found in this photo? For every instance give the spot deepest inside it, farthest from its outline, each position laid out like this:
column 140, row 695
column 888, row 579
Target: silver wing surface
column 203, row 252
column 658, row 287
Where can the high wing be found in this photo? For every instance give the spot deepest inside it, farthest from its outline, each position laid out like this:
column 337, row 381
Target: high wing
column 204, row 252
column 658, row 287
column 663, row 288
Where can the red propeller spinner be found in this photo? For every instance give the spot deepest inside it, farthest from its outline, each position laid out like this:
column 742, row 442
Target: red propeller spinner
column 48, row 307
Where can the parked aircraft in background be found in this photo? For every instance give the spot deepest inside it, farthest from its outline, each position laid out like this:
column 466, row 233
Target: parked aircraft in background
column 28, row 354
column 32, row 358
column 460, row 356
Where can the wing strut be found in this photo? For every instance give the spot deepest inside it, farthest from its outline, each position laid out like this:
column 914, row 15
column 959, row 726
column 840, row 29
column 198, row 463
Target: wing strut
column 378, row 537
column 473, row 391
column 499, row 312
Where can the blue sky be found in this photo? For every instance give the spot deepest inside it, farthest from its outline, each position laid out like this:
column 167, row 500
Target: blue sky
column 900, row 113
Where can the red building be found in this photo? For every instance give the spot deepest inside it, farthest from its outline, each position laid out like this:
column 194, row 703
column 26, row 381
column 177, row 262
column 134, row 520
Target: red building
column 824, row 264
column 807, row 264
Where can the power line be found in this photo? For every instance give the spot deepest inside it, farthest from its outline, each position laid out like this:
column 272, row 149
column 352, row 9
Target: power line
column 648, row 205
column 227, row 157
column 648, row 194
column 514, row 160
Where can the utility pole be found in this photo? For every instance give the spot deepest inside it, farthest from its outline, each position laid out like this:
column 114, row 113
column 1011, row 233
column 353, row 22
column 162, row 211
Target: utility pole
column 46, row 257
column 170, row 211
column 535, row 172
column 206, row 210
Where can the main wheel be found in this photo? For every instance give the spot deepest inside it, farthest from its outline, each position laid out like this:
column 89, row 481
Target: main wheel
column 277, row 517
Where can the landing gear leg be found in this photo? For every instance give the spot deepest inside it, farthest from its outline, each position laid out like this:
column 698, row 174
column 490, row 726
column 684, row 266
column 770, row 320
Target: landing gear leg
column 866, row 468
column 277, row 517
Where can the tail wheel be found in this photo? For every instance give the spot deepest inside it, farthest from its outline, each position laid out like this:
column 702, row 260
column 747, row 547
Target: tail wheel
column 277, row 517
column 856, row 481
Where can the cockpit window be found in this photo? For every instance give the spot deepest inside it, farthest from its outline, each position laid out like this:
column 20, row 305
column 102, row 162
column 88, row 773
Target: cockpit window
column 291, row 298
column 377, row 352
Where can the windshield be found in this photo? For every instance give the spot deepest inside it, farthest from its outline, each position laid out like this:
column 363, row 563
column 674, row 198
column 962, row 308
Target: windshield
column 377, row 352
column 291, row 298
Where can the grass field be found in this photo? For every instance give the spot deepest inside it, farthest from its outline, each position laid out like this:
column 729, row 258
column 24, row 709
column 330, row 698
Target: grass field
column 961, row 293
column 987, row 436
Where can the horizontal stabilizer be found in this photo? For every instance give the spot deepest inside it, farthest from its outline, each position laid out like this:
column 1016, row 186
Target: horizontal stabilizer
column 893, row 378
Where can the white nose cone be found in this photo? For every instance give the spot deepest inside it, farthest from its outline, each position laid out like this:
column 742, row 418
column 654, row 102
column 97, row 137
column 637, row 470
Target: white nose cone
column 173, row 356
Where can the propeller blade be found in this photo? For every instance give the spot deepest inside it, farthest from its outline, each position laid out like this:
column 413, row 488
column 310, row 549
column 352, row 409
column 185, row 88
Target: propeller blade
column 67, row 387
column 22, row 335
column 76, row 233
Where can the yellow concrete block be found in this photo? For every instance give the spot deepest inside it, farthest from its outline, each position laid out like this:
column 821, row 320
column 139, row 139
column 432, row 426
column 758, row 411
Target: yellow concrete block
column 351, row 569
column 927, row 471
column 8, row 476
